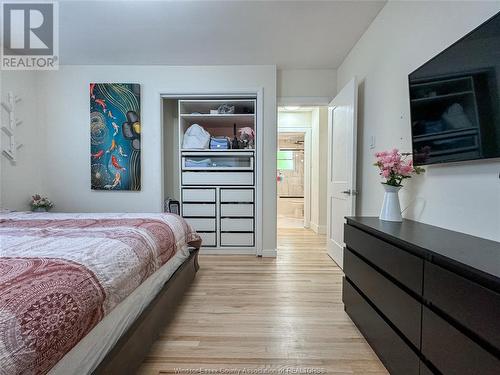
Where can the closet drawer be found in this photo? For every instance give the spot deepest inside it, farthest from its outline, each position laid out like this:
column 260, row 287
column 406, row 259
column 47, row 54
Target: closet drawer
column 395, row 354
column 236, row 225
column 403, row 266
column 217, row 178
column 207, row 239
column 206, row 225
column 450, row 351
column 198, row 195
column 198, row 209
column 236, row 195
column 397, row 305
column 237, row 210
column 229, row 161
column 236, row 239
column 470, row 304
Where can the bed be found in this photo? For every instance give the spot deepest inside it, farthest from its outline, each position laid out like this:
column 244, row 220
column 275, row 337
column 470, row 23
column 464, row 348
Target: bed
column 83, row 293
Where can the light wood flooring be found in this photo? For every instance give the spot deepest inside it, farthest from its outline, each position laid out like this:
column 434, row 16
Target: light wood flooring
column 244, row 312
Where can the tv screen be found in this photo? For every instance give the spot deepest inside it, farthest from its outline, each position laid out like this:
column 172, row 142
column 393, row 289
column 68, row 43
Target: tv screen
column 454, row 100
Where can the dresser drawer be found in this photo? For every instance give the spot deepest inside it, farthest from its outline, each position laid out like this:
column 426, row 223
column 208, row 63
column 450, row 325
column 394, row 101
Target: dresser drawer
column 451, row 352
column 217, row 178
column 394, row 353
column 403, row 266
column 424, row 369
column 471, row 305
column 236, row 210
column 398, row 306
column 236, row 195
column 204, row 225
column 198, row 195
column 198, row 209
column 236, row 225
column 236, row 239
column 208, row 239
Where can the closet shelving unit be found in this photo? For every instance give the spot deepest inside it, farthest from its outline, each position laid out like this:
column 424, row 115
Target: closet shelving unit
column 218, row 197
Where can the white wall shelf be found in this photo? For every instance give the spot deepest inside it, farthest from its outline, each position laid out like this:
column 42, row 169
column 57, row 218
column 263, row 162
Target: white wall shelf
column 220, row 119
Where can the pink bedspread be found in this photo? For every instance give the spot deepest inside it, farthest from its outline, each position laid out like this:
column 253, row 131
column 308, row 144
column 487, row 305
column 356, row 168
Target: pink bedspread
column 60, row 274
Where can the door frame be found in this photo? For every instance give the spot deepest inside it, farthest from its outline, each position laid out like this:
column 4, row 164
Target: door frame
column 307, row 167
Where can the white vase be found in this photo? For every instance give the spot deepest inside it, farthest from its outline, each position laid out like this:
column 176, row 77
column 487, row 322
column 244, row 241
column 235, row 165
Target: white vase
column 391, row 210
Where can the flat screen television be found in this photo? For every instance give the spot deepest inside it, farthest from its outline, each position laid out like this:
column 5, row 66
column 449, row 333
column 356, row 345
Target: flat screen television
column 454, row 100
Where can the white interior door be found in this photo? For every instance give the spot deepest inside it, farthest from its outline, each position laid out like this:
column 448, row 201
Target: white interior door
column 342, row 115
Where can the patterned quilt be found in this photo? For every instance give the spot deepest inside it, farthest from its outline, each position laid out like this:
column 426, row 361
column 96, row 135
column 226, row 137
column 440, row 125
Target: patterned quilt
column 60, row 274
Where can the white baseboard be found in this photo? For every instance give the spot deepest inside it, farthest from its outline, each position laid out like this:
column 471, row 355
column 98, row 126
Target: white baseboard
column 320, row 229
column 229, row 251
column 269, row 253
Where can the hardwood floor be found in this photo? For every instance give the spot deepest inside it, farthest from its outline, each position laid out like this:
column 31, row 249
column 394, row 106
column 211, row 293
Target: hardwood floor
column 244, row 312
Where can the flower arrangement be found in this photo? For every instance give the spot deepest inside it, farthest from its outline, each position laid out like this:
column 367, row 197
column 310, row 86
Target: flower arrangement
column 39, row 203
column 395, row 167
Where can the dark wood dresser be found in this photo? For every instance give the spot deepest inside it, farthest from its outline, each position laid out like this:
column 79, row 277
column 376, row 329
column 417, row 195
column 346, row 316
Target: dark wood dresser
column 426, row 299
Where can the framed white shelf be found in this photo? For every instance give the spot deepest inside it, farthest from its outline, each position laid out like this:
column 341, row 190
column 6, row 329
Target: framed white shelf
column 212, row 150
column 204, row 106
column 240, row 120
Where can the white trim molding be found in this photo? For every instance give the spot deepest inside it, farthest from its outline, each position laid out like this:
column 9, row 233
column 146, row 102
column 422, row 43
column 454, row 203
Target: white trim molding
column 284, row 101
column 319, row 229
column 269, row 253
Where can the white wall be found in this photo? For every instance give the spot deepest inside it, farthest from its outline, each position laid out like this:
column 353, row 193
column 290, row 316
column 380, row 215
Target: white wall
column 322, row 168
column 65, row 113
column 299, row 119
column 463, row 196
column 19, row 181
column 306, row 86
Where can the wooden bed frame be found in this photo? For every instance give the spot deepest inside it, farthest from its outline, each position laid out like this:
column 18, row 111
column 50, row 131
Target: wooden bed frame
column 128, row 353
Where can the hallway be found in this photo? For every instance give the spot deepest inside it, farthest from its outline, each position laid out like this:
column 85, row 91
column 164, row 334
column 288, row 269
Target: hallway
column 244, row 312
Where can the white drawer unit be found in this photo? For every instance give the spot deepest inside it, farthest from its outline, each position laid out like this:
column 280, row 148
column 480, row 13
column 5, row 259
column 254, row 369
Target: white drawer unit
column 198, row 195
column 217, row 178
column 237, row 195
column 236, row 225
column 202, row 224
column 223, row 161
column 218, row 188
column 198, row 209
column 236, row 210
column 208, row 239
column 236, row 239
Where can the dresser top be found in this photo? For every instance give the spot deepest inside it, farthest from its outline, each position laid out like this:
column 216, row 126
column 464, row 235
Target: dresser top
column 473, row 257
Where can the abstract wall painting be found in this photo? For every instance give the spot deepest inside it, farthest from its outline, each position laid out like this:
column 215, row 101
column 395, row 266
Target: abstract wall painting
column 115, row 136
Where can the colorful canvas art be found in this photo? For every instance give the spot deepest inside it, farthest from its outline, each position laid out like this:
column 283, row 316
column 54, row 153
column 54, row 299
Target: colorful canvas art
column 115, row 136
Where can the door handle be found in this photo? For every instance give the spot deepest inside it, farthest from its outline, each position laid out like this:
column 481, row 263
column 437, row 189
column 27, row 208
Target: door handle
column 349, row 192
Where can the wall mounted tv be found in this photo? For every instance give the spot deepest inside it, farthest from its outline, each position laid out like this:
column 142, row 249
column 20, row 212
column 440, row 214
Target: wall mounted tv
column 454, row 100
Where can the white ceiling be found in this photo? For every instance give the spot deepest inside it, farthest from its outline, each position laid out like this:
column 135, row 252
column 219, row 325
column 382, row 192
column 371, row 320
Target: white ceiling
column 290, row 34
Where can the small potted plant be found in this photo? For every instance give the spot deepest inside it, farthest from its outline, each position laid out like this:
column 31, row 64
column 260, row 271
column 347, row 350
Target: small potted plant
column 394, row 167
column 40, row 204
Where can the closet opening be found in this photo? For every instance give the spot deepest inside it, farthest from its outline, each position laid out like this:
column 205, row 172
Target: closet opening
column 211, row 168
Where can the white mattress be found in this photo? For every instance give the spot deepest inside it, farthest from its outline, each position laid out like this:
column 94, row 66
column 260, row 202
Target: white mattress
column 91, row 350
